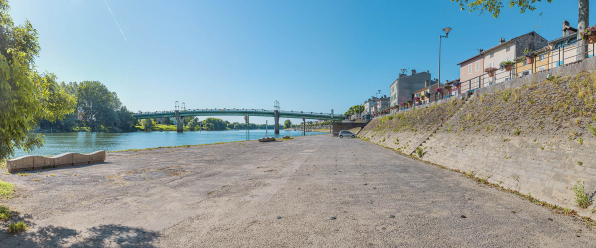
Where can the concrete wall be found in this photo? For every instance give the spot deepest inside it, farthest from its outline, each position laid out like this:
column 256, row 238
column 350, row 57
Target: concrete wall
column 522, row 134
column 66, row 159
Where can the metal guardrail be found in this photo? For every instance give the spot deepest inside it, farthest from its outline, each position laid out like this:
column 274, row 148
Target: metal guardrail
column 502, row 75
column 239, row 110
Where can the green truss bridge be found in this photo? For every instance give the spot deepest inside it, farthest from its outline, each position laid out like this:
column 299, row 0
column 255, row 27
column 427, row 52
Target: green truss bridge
column 240, row 112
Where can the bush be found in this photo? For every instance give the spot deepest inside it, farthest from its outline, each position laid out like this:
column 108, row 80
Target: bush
column 4, row 213
column 581, row 198
column 17, row 227
column 420, row 152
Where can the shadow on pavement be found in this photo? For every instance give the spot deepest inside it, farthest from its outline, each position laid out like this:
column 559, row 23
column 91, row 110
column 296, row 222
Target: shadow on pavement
column 100, row 236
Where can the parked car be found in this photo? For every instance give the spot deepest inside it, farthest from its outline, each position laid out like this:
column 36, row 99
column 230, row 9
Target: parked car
column 346, row 133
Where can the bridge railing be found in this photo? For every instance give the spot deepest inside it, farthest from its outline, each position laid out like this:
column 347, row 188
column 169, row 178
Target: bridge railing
column 240, row 110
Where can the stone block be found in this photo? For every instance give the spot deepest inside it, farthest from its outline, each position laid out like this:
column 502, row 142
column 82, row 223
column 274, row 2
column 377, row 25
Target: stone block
column 63, row 160
column 40, row 162
column 20, row 164
column 97, row 157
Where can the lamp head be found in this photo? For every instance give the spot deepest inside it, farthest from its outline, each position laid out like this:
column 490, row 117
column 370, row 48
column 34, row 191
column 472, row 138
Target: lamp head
column 447, row 30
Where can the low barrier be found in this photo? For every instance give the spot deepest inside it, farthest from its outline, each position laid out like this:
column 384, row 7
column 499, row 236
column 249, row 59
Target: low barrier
column 63, row 160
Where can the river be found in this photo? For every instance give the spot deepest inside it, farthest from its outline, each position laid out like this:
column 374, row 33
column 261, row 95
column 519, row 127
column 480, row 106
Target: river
column 57, row 143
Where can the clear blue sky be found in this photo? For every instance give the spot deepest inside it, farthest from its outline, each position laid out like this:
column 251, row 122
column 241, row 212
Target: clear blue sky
column 311, row 55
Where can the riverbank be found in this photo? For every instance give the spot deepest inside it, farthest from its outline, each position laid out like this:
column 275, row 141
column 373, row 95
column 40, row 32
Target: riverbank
column 58, row 143
column 230, row 194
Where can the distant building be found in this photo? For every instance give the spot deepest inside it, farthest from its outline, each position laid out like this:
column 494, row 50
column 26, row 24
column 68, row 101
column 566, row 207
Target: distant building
column 375, row 104
column 404, row 86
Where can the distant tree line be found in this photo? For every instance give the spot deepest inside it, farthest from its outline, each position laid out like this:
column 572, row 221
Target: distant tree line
column 97, row 109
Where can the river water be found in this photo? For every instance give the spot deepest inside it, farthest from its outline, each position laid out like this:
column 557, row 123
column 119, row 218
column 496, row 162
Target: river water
column 57, row 143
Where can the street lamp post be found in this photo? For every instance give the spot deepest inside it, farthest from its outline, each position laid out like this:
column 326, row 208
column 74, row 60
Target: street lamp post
column 447, row 30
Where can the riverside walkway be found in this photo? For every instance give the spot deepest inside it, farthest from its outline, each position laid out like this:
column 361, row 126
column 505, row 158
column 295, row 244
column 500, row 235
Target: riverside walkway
column 229, row 195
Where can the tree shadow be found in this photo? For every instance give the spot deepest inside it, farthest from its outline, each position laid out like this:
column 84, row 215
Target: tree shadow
column 100, row 236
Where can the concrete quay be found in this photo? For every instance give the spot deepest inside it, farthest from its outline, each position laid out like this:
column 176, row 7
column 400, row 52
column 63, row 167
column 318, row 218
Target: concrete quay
column 229, row 195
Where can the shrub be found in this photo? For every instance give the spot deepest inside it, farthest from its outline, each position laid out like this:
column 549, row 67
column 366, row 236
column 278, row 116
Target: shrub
column 581, row 198
column 420, row 152
column 4, row 213
column 17, row 227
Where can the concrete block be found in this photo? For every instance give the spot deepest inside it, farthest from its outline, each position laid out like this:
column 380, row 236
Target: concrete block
column 20, row 164
column 79, row 159
column 63, row 160
column 97, row 157
column 40, row 162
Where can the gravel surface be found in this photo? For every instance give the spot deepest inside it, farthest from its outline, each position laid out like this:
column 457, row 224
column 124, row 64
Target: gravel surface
column 309, row 191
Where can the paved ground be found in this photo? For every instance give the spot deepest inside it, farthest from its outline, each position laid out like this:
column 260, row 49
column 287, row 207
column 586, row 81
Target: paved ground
column 228, row 195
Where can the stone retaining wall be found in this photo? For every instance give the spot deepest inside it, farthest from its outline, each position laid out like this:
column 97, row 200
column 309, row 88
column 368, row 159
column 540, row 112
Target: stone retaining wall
column 528, row 134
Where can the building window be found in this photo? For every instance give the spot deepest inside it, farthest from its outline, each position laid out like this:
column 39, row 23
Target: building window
column 542, row 68
column 492, row 65
column 477, row 65
column 508, row 48
column 492, row 55
column 508, row 58
column 525, row 62
column 469, row 69
column 541, row 57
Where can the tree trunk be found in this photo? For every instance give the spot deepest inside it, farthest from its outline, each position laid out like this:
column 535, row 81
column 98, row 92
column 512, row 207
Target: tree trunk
column 582, row 24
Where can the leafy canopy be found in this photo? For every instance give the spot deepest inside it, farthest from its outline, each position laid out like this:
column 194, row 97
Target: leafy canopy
column 26, row 96
column 494, row 6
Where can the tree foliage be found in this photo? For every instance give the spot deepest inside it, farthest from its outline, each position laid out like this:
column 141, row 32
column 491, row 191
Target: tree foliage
column 494, row 6
column 354, row 110
column 26, row 96
column 96, row 105
column 287, row 124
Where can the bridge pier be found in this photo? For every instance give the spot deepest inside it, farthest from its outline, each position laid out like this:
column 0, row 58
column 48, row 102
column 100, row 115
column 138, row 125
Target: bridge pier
column 276, row 118
column 179, row 123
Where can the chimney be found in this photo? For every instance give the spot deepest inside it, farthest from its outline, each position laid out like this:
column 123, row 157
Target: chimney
column 480, row 50
column 402, row 75
column 426, row 83
column 565, row 27
column 427, row 71
column 413, row 71
column 502, row 40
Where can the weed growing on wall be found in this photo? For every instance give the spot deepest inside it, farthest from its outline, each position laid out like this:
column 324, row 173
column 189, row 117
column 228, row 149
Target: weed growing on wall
column 420, row 152
column 581, row 198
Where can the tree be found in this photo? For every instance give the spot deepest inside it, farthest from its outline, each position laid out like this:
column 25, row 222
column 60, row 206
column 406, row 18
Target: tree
column 96, row 105
column 287, row 124
column 126, row 120
column 147, row 124
column 26, row 96
column 582, row 24
column 193, row 123
column 494, row 6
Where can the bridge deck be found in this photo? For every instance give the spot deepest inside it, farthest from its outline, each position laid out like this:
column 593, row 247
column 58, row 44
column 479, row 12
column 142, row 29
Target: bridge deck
column 240, row 112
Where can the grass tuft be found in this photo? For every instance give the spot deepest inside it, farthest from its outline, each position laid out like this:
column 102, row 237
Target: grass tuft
column 4, row 213
column 6, row 189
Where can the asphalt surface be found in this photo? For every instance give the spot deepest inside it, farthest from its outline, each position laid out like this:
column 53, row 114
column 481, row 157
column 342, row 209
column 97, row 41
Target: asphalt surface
column 278, row 194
